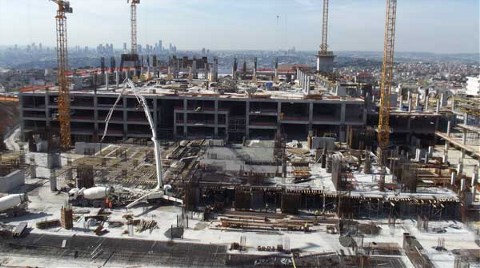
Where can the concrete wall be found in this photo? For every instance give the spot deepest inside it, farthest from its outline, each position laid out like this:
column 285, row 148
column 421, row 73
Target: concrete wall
column 319, row 142
column 82, row 147
column 12, row 181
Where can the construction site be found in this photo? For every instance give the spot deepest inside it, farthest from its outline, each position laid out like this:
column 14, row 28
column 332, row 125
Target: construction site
column 293, row 166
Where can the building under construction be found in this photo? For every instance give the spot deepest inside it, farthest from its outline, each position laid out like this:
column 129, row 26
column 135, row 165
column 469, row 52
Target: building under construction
column 289, row 166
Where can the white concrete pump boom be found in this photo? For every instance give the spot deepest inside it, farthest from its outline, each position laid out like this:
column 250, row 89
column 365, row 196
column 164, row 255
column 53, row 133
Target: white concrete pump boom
column 156, row 147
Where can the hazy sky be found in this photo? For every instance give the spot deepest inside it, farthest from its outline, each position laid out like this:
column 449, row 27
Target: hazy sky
column 443, row 26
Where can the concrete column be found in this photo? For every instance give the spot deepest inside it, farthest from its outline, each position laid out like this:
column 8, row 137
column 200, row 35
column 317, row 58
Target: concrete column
column 117, row 79
column 310, row 115
column 409, row 100
column 247, row 121
column 418, row 154
column 453, row 176
column 342, row 136
column 427, row 99
column 194, row 69
column 464, row 137
column 22, row 123
column 474, row 176
column 307, row 86
column 417, row 99
column 53, row 181
column 445, row 153
column 185, row 115
column 33, row 168
column 216, row 118
column 175, row 124
column 474, row 182
column 465, row 119
column 343, row 108
column 125, row 124
column 106, row 80
column 95, row 113
column 460, row 166
column 279, row 112
column 155, row 112
column 449, row 126
column 437, row 109
column 400, row 102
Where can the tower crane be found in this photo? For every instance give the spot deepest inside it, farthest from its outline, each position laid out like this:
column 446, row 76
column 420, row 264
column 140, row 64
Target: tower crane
column 386, row 82
column 133, row 22
column 62, row 61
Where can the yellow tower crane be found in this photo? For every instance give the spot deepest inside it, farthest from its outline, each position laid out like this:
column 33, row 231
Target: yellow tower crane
column 62, row 61
column 386, row 83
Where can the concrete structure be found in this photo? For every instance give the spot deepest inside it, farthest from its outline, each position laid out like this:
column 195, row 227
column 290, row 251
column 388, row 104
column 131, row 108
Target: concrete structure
column 325, row 62
column 193, row 112
column 11, row 181
column 473, row 86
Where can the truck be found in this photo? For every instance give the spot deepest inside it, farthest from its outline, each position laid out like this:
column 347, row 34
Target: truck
column 14, row 205
column 95, row 196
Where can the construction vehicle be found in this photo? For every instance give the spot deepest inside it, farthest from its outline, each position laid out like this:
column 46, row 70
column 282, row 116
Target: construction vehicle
column 95, row 196
column 160, row 191
column 14, row 205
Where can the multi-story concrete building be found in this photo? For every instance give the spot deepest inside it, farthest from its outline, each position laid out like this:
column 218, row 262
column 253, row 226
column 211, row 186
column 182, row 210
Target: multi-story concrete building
column 193, row 112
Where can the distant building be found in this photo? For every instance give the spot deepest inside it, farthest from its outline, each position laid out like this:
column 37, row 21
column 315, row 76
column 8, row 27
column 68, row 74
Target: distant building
column 473, row 86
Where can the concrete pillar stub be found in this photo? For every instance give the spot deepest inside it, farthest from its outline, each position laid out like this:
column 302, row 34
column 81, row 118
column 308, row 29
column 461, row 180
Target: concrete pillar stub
column 453, row 176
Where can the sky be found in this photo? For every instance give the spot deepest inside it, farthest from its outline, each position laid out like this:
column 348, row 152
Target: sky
column 438, row 26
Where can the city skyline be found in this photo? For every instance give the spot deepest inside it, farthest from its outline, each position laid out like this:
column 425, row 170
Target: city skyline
column 228, row 25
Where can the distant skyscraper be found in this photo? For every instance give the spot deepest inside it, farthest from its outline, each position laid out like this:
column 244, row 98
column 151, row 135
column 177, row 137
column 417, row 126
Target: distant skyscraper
column 160, row 46
column 125, row 47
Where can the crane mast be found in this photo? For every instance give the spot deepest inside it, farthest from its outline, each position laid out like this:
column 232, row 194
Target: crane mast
column 62, row 61
column 324, row 46
column 133, row 22
column 386, row 82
